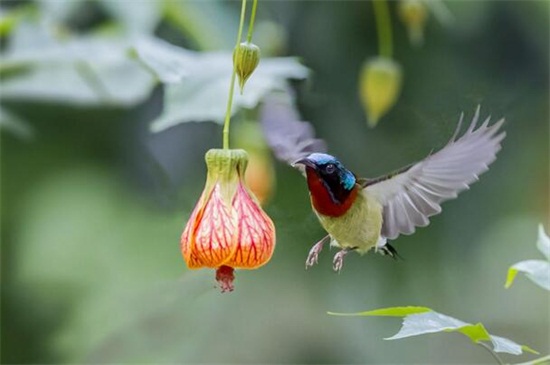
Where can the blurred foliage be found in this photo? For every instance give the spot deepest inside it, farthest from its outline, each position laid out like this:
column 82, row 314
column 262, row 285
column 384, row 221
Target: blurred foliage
column 93, row 205
column 536, row 270
column 422, row 320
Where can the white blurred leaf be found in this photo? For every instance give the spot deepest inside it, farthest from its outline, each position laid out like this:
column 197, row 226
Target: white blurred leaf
column 14, row 124
column 167, row 62
column 441, row 12
column 536, row 270
column 137, row 17
column 422, row 320
column 428, row 322
column 202, row 96
column 142, row 17
column 59, row 11
column 543, row 243
column 122, row 83
column 501, row 344
column 85, row 70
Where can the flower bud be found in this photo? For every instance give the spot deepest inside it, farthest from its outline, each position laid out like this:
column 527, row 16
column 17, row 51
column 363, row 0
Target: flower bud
column 260, row 174
column 379, row 87
column 246, row 57
column 227, row 229
column 414, row 14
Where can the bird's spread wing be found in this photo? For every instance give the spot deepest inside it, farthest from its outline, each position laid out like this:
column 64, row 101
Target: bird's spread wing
column 415, row 193
column 289, row 138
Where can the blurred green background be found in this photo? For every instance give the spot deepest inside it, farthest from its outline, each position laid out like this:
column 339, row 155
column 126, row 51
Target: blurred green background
column 93, row 203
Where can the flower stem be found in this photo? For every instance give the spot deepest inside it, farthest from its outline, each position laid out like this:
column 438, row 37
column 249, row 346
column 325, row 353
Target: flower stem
column 383, row 27
column 541, row 361
column 252, row 20
column 232, row 83
column 494, row 354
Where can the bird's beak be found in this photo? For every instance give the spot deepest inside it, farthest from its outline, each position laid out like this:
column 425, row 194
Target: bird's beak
column 306, row 162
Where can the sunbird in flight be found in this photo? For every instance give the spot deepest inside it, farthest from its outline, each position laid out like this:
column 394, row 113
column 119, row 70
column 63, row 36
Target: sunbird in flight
column 362, row 214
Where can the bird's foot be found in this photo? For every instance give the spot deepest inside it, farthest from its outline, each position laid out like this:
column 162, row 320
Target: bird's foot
column 338, row 261
column 313, row 255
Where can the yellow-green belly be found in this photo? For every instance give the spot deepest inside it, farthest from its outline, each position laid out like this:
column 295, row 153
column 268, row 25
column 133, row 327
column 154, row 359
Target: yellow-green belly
column 359, row 227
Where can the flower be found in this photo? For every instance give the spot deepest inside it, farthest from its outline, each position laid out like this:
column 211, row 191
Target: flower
column 414, row 15
column 260, row 174
column 246, row 57
column 227, row 229
column 380, row 85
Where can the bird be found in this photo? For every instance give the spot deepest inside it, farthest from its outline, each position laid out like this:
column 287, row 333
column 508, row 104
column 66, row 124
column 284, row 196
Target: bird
column 364, row 214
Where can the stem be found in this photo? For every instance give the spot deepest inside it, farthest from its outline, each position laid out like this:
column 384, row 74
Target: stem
column 540, row 360
column 252, row 19
column 383, row 27
column 494, row 354
column 232, row 83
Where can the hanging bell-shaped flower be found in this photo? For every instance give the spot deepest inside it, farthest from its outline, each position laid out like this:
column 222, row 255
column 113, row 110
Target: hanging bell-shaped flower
column 246, row 57
column 414, row 14
column 227, row 229
column 379, row 87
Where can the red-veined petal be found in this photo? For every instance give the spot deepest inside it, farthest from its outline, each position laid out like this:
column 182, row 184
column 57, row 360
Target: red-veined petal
column 255, row 232
column 213, row 239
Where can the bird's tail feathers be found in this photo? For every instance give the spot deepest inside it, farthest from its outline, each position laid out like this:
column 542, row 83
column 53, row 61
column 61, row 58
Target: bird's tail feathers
column 385, row 249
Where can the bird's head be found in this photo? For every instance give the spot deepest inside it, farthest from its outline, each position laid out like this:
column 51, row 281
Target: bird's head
column 329, row 182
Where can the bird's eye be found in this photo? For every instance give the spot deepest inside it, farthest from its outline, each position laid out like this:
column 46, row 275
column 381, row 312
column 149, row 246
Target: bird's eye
column 330, row 168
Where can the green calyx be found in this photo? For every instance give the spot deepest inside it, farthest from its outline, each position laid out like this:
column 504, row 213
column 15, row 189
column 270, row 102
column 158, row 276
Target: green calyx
column 225, row 167
column 246, row 57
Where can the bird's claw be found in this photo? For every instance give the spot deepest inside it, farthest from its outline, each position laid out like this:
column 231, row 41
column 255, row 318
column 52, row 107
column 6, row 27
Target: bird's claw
column 313, row 256
column 338, row 261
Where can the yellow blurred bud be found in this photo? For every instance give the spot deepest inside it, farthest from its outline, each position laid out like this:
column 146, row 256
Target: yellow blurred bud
column 414, row 14
column 260, row 174
column 379, row 87
column 246, row 57
column 272, row 38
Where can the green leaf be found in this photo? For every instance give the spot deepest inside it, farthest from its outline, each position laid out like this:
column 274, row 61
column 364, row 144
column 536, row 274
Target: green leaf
column 422, row 320
column 510, row 277
column 476, row 332
column 536, row 270
column 387, row 312
column 528, row 349
column 9, row 18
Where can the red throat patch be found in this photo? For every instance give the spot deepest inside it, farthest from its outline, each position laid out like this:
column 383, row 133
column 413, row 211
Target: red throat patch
column 322, row 200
